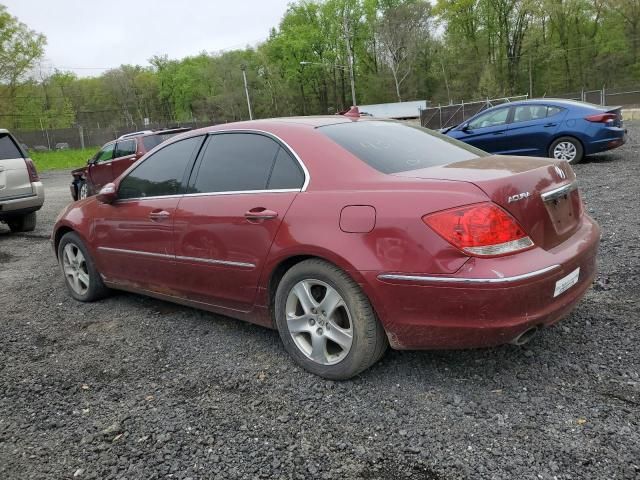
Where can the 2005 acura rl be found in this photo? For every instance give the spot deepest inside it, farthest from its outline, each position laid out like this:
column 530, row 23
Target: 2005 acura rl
column 345, row 234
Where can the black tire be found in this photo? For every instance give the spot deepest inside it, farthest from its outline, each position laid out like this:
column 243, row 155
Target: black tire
column 369, row 341
column 24, row 223
column 96, row 288
column 577, row 145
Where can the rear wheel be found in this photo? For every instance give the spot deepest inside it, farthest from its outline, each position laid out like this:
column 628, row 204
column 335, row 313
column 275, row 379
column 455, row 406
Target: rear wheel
column 81, row 277
column 24, row 223
column 326, row 322
column 568, row 149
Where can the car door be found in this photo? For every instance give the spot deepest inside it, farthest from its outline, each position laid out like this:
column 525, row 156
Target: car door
column 124, row 156
column 532, row 129
column 134, row 234
column 242, row 186
column 100, row 171
column 487, row 131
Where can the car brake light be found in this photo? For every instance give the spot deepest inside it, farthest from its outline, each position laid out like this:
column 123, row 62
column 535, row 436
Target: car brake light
column 31, row 168
column 483, row 230
column 602, row 117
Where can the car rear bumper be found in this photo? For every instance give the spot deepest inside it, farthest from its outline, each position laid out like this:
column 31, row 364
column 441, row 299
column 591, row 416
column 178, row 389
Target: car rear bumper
column 489, row 301
column 607, row 139
column 22, row 205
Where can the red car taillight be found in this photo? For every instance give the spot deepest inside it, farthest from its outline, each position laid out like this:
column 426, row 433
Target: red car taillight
column 602, row 117
column 483, row 230
column 31, row 168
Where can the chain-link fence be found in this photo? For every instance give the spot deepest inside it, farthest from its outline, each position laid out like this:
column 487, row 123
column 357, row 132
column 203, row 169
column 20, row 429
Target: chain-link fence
column 449, row 115
column 81, row 137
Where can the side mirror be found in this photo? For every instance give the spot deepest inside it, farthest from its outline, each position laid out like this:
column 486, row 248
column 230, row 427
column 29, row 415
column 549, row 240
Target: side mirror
column 465, row 127
column 108, row 194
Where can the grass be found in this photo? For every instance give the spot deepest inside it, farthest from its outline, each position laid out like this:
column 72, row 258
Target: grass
column 61, row 159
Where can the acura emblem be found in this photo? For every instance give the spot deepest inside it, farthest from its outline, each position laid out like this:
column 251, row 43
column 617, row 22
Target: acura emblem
column 560, row 172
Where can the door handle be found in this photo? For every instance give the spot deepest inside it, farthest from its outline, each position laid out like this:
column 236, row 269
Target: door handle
column 499, row 133
column 159, row 215
column 550, row 125
column 260, row 213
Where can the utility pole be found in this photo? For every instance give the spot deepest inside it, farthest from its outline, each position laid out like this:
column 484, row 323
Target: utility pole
column 530, row 79
column 243, row 67
column 350, row 54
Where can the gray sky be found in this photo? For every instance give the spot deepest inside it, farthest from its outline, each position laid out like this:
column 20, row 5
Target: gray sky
column 83, row 34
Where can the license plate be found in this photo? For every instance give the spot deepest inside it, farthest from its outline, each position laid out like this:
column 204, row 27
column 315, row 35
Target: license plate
column 565, row 283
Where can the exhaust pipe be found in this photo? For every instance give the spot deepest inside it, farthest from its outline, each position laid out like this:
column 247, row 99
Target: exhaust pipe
column 525, row 337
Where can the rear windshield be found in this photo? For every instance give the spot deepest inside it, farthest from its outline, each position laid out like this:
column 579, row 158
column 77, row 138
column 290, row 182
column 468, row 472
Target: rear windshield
column 8, row 149
column 392, row 147
column 152, row 141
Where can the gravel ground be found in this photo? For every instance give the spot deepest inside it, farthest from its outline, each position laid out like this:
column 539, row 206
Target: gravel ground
column 131, row 387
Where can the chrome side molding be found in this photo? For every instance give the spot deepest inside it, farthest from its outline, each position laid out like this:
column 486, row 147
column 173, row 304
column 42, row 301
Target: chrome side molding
column 464, row 280
column 211, row 261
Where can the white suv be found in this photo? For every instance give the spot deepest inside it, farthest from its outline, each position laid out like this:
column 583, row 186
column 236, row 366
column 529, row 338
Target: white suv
column 21, row 192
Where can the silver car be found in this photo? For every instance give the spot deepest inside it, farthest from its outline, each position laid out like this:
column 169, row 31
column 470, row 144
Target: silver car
column 21, row 191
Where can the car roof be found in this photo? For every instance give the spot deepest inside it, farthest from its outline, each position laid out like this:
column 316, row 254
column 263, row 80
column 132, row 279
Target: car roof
column 549, row 101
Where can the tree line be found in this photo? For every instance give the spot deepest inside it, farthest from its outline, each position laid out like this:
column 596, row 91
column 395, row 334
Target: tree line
column 443, row 51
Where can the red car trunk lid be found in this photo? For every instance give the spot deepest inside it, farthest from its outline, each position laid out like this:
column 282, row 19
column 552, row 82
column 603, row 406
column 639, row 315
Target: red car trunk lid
column 541, row 194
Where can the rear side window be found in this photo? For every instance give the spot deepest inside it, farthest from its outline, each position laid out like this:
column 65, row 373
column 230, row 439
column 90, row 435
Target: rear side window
column 8, row 149
column 525, row 113
column 551, row 111
column 124, row 148
column 286, row 172
column 235, row 162
column 392, row 147
column 162, row 173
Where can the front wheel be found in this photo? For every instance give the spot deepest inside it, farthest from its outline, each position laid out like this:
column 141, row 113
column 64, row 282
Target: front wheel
column 568, row 149
column 83, row 189
column 81, row 277
column 326, row 322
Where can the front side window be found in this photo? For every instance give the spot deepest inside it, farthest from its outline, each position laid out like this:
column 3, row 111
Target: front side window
column 392, row 147
column 105, row 154
column 490, row 119
column 162, row 173
column 125, row 148
column 234, row 162
column 8, row 149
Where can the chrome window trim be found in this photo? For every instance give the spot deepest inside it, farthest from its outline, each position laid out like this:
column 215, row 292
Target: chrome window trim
column 212, row 261
column 463, row 280
column 307, row 175
column 206, row 194
column 559, row 192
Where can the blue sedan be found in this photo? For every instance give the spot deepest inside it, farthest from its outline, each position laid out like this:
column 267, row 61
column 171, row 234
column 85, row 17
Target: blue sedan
column 563, row 129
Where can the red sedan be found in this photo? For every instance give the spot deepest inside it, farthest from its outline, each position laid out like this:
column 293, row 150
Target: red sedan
column 345, row 234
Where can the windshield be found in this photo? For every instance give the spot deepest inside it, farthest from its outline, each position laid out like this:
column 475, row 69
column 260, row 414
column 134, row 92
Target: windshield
column 392, row 147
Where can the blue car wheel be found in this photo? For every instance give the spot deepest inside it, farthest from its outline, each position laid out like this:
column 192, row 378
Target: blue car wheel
column 568, row 149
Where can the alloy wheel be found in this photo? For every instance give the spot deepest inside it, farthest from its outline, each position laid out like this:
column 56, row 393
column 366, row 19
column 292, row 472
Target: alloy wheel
column 565, row 151
column 319, row 321
column 75, row 268
column 84, row 191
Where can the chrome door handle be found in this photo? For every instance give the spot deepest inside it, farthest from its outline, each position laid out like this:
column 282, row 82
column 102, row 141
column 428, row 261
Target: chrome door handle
column 159, row 216
column 260, row 214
